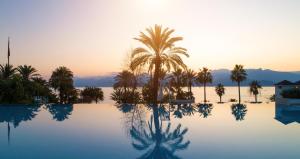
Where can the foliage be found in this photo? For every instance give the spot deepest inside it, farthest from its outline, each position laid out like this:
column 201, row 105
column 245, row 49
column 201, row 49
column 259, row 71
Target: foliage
column 177, row 81
column 204, row 77
column 220, row 90
column 238, row 74
column 62, row 81
column 159, row 52
column 90, row 94
column 125, row 88
column 190, row 77
column 254, row 88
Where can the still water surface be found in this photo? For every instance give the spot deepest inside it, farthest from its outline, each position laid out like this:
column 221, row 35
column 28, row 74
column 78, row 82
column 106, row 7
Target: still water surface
column 83, row 131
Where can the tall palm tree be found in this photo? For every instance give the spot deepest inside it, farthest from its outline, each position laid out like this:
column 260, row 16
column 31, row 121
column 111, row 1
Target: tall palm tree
column 62, row 80
column 190, row 76
column 204, row 77
column 254, row 89
column 27, row 72
column 238, row 74
column 220, row 90
column 159, row 51
column 7, row 71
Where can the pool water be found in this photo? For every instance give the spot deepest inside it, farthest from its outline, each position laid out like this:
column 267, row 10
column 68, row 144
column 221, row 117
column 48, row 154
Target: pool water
column 111, row 131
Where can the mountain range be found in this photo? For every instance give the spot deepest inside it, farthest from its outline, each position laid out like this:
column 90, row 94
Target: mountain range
column 266, row 77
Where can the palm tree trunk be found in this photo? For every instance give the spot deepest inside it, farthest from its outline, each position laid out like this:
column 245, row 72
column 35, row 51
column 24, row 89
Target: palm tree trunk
column 239, row 92
column 204, row 92
column 255, row 98
column 156, row 81
column 190, row 91
column 220, row 99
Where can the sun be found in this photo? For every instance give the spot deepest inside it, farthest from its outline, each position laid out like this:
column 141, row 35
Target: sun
column 154, row 2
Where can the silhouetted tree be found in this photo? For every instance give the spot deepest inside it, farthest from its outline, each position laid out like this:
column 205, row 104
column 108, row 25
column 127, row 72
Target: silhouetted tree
column 190, row 76
column 254, row 89
column 177, row 81
column 125, row 88
column 160, row 52
column 204, row 77
column 62, row 81
column 7, row 71
column 27, row 72
column 90, row 94
column 238, row 74
column 220, row 90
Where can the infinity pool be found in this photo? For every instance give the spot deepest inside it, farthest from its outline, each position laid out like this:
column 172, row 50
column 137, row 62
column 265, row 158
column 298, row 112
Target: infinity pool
column 110, row 131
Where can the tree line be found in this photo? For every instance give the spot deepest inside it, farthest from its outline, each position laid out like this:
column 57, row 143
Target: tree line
column 162, row 59
column 23, row 85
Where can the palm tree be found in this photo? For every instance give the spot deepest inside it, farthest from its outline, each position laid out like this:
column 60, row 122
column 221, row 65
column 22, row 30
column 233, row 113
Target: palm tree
column 27, row 72
column 204, row 77
column 254, row 89
column 238, row 74
column 190, row 76
column 7, row 71
column 159, row 51
column 124, row 80
column 62, row 80
column 220, row 90
column 177, row 82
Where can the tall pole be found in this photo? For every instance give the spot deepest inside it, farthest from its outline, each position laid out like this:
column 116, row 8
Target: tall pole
column 8, row 52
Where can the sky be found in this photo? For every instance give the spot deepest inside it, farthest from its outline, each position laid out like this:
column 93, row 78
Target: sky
column 94, row 37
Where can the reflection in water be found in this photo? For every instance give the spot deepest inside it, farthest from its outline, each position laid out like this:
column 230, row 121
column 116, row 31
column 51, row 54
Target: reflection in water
column 60, row 112
column 16, row 114
column 156, row 142
column 239, row 111
column 287, row 114
column 205, row 110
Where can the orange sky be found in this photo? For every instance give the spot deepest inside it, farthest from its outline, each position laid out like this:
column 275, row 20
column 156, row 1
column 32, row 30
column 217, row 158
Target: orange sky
column 92, row 37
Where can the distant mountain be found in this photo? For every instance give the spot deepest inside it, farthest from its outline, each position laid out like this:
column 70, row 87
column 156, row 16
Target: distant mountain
column 265, row 76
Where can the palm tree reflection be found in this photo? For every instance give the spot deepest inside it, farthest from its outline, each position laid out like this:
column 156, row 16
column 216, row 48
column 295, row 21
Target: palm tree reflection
column 239, row 111
column 157, row 142
column 17, row 114
column 205, row 110
column 60, row 112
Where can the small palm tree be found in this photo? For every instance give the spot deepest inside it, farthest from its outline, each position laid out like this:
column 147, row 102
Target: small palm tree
column 27, row 72
column 62, row 80
column 238, row 74
column 7, row 71
column 177, row 82
column 220, row 90
column 204, row 77
column 190, row 76
column 125, row 80
column 254, row 89
column 160, row 51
